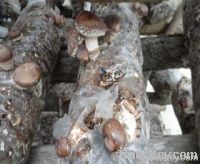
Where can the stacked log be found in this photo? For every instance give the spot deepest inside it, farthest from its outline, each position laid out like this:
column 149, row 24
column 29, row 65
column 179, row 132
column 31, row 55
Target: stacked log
column 33, row 49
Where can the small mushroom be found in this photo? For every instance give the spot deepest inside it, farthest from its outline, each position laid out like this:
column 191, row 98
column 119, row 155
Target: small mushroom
column 82, row 53
column 26, row 75
column 73, row 41
column 6, row 60
column 114, row 135
column 141, row 9
column 90, row 26
column 83, row 148
column 114, row 23
column 63, row 147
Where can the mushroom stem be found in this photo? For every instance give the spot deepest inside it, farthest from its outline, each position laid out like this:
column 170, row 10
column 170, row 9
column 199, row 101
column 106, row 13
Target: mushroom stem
column 91, row 44
column 93, row 47
column 87, row 6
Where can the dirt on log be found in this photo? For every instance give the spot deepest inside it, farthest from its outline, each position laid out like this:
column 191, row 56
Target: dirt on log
column 35, row 41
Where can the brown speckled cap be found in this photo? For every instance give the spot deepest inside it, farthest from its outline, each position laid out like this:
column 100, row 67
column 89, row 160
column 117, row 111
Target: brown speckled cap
column 63, row 147
column 5, row 53
column 27, row 75
column 90, row 25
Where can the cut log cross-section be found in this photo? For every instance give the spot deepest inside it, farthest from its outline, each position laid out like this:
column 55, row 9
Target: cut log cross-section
column 23, row 86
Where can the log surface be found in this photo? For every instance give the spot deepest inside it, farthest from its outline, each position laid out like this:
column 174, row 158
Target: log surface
column 164, row 52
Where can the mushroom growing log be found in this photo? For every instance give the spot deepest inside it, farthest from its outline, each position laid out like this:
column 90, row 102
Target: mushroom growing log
column 111, row 87
column 23, row 86
column 192, row 34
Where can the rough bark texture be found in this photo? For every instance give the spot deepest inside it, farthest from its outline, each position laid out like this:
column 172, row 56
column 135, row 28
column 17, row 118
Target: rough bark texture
column 39, row 42
column 183, row 105
column 163, row 83
column 44, row 134
column 164, row 53
column 192, row 33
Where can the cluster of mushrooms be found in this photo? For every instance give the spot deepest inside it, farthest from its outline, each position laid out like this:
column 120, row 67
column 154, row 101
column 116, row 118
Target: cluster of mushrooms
column 88, row 27
column 122, row 129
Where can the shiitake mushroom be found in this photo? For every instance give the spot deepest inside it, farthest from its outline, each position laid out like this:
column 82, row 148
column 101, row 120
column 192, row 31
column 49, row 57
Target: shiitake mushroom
column 114, row 135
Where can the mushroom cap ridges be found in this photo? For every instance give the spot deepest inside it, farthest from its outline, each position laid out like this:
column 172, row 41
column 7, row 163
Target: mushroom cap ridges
column 63, row 147
column 90, row 25
column 115, row 134
column 113, row 22
column 27, row 75
column 73, row 38
column 5, row 53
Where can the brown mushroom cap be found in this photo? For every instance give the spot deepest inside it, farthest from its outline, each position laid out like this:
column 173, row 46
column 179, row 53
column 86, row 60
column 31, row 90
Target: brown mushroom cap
column 63, row 147
column 82, row 53
column 113, row 22
column 27, row 75
column 5, row 54
column 90, row 25
column 114, row 135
